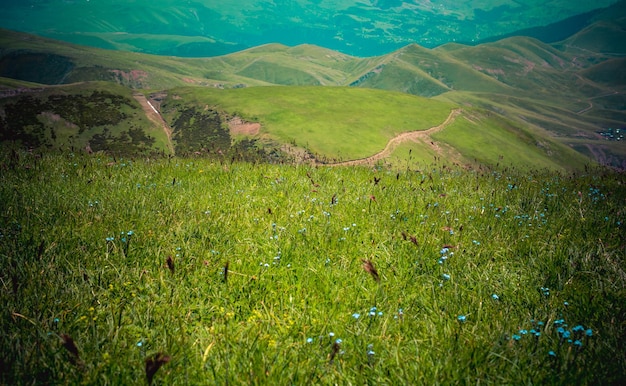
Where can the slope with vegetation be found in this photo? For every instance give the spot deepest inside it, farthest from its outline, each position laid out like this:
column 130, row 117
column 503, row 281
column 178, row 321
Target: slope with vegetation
column 564, row 93
column 190, row 271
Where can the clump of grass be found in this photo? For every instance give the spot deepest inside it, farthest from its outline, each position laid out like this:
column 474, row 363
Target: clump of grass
column 470, row 260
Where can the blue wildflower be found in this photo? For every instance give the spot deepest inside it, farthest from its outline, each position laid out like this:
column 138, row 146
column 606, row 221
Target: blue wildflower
column 589, row 332
column 445, row 276
column 552, row 354
column 309, row 340
column 461, row 318
column 338, row 341
column 516, row 337
column 578, row 343
column 356, row 315
column 495, row 297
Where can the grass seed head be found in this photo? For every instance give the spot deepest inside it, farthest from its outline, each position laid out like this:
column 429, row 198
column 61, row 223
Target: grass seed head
column 170, row 264
column 154, row 364
column 368, row 266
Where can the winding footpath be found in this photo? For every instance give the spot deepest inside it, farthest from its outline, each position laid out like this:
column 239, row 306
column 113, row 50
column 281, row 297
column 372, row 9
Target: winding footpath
column 395, row 141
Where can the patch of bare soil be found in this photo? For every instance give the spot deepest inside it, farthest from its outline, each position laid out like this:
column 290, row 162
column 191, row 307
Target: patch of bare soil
column 153, row 114
column 238, row 126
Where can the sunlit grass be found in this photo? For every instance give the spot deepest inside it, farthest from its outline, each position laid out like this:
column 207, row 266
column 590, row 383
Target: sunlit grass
column 241, row 273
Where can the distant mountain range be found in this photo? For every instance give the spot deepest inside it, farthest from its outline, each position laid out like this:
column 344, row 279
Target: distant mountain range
column 201, row 28
column 570, row 92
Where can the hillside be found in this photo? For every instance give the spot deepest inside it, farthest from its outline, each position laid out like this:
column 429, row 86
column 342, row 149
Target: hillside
column 559, row 92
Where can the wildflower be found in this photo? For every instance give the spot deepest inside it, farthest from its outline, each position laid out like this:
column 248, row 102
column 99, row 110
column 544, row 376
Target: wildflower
column 523, row 332
column 445, row 276
column 331, row 334
column 578, row 343
column 461, row 318
column 589, row 332
column 578, row 328
column 516, row 337
column 552, row 354
column 356, row 315
column 309, row 340
column 338, row 341
column 495, row 297
column 109, row 239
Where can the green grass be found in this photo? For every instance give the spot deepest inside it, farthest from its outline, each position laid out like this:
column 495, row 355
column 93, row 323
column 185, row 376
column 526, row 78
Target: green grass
column 84, row 243
column 485, row 138
column 332, row 122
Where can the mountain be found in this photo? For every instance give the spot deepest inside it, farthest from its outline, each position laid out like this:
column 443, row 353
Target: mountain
column 564, row 93
column 364, row 28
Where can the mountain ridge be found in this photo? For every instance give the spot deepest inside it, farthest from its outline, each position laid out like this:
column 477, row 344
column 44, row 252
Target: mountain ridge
column 539, row 85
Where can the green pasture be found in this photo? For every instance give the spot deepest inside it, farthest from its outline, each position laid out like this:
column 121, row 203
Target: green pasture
column 335, row 123
column 185, row 271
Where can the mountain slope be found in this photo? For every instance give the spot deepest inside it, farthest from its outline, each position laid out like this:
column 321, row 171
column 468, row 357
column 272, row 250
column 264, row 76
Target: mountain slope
column 559, row 90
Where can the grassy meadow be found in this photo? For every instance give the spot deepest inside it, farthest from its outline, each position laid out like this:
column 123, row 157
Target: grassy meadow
column 335, row 123
column 190, row 271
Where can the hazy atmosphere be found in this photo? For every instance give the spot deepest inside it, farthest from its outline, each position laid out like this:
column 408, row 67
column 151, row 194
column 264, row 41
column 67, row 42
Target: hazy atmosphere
column 363, row 28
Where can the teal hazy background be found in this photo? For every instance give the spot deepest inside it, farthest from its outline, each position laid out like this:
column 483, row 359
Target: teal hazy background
column 361, row 28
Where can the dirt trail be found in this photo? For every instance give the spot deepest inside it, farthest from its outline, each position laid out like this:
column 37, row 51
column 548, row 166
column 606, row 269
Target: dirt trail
column 404, row 137
column 155, row 117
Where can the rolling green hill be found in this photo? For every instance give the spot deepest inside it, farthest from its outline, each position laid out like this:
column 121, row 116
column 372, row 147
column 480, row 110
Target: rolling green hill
column 560, row 92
